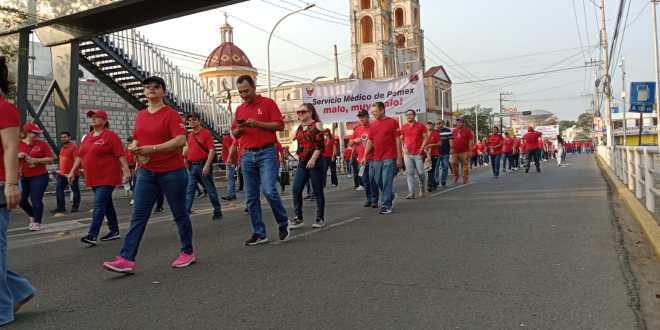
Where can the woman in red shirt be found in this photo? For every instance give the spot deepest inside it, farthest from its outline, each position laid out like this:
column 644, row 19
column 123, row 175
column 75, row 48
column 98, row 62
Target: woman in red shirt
column 34, row 153
column 103, row 160
column 159, row 136
column 15, row 291
column 310, row 138
column 495, row 143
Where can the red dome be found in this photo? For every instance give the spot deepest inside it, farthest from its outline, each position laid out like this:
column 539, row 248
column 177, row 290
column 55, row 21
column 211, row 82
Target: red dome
column 227, row 54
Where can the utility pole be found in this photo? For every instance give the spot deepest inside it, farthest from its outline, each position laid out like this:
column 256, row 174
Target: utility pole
column 476, row 121
column 657, row 69
column 502, row 94
column 606, row 78
column 623, row 100
column 342, row 125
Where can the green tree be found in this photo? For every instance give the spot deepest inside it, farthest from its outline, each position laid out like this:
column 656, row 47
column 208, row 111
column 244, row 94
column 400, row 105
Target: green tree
column 564, row 124
column 484, row 120
column 585, row 121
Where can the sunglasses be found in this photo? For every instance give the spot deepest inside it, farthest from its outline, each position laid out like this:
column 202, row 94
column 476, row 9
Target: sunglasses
column 301, row 112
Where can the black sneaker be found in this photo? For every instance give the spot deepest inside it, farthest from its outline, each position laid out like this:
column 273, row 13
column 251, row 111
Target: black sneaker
column 256, row 240
column 217, row 216
column 74, row 210
column 111, row 236
column 284, row 233
column 245, row 210
column 229, row 198
column 367, row 204
column 158, row 210
column 320, row 223
column 57, row 211
column 296, row 222
column 385, row 210
column 89, row 240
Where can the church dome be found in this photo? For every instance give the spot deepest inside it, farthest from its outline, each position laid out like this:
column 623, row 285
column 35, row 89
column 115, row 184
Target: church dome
column 227, row 54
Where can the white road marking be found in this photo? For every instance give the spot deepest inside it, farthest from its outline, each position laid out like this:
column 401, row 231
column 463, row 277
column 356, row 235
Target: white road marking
column 452, row 189
column 316, row 231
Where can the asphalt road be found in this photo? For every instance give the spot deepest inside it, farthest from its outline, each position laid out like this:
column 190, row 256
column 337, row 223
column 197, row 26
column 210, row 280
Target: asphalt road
column 525, row 251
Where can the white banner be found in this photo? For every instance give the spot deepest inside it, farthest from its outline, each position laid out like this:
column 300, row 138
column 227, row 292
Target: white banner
column 549, row 132
column 342, row 101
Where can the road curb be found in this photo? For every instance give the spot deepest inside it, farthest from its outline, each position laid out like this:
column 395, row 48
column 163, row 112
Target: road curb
column 645, row 219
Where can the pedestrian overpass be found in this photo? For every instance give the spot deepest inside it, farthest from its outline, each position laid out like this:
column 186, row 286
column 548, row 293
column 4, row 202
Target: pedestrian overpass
column 100, row 36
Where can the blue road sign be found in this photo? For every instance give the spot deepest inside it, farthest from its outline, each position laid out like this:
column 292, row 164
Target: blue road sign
column 642, row 96
column 615, row 109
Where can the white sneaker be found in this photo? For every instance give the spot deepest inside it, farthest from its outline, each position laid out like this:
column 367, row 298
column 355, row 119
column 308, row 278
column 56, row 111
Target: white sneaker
column 131, row 202
column 35, row 226
column 360, row 188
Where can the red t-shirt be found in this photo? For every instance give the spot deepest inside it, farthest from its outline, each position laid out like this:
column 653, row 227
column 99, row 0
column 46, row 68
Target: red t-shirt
column 532, row 139
column 413, row 137
column 434, row 137
column 516, row 144
column 9, row 117
column 475, row 149
column 347, row 153
column 493, row 141
column 227, row 141
column 508, row 145
column 156, row 128
column 36, row 149
column 195, row 152
column 68, row 154
column 328, row 147
column 360, row 133
column 278, row 151
column 99, row 156
column 540, row 144
column 461, row 139
column 383, row 134
column 262, row 109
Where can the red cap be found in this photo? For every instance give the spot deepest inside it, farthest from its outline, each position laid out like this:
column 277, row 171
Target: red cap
column 31, row 127
column 97, row 113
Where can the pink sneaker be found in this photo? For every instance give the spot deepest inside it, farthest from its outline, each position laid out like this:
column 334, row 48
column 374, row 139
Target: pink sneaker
column 184, row 260
column 120, row 265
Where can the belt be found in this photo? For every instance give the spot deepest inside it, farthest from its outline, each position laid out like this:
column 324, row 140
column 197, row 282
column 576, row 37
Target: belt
column 260, row 148
column 197, row 162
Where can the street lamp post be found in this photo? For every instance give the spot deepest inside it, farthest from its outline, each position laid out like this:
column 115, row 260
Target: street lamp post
column 657, row 68
column 271, row 35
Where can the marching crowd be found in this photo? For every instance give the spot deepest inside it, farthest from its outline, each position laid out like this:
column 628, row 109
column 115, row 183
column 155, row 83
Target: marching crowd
column 163, row 160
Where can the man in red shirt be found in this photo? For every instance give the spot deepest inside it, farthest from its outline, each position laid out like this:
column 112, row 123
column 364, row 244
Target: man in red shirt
column 68, row 155
column 532, row 147
column 507, row 152
column 385, row 146
column 227, row 142
column 329, row 158
column 359, row 141
column 414, row 136
column 256, row 121
column 495, row 143
column 463, row 139
column 432, row 150
column 200, row 151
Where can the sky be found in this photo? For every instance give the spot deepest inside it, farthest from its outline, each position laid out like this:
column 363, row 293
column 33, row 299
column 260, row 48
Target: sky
column 474, row 40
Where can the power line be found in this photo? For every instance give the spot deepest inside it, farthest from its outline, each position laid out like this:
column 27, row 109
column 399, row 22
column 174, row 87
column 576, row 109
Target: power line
column 577, row 27
column 325, row 9
column 305, row 14
column 521, row 75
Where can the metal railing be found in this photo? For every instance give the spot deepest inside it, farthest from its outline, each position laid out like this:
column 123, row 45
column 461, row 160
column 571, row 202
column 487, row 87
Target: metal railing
column 186, row 90
column 635, row 167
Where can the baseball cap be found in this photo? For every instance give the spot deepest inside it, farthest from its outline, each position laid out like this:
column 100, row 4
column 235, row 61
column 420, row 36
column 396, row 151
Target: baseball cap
column 31, row 127
column 155, row 79
column 363, row 113
column 97, row 113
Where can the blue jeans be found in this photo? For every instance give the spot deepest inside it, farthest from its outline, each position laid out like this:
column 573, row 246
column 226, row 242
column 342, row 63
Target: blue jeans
column 13, row 287
column 147, row 187
column 231, row 181
column 382, row 173
column 62, row 183
column 370, row 188
column 194, row 176
column 260, row 170
column 303, row 175
column 34, row 188
column 443, row 163
column 495, row 164
column 103, row 208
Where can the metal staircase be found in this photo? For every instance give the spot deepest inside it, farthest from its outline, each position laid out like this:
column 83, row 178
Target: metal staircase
column 122, row 60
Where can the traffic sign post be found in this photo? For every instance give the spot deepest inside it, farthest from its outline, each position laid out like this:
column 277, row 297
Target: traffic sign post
column 642, row 98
